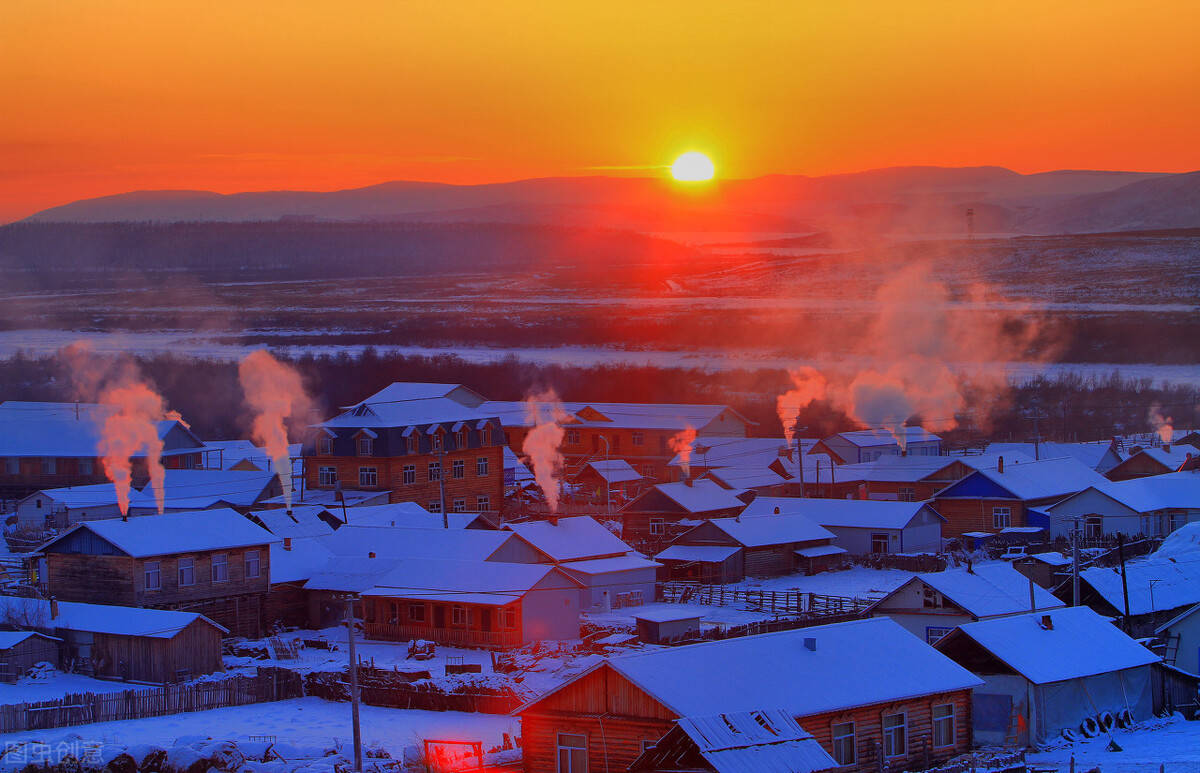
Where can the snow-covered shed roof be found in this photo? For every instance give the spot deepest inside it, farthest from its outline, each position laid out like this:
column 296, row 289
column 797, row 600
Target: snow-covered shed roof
column 701, row 553
column 571, row 539
column 520, row 472
column 819, row 551
column 701, row 496
column 756, row 742
column 233, row 452
column 712, row 451
column 844, row 513
column 101, row 618
column 10, row 639
column 299, row 521
column 1183, row 544
column 237, row 487
column 1034, row 480
column 398, row 542
column 609, row 565
column 856, row 663
column 987, row 590
column 74, row 497
column 1077, row 643
column 1155, row 584
column 757, row 531
column 742, row 479
column 614, row 470
column 306, row 557
column 160, row 535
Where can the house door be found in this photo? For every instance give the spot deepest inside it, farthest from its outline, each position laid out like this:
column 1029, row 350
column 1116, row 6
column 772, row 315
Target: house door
column 485, row 619
column 439, row 616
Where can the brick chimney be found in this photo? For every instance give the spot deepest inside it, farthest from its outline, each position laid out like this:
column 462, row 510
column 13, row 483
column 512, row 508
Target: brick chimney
column 1000, row 465
column 53, row 608
column 287, row 543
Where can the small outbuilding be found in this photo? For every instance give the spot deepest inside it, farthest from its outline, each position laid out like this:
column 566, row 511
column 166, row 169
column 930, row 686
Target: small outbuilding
column 22, row 650
column 660, row 626
column 769, row 545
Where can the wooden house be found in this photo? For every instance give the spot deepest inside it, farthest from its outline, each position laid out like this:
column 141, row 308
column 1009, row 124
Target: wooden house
column 484, row 604
column 1050, row 671
column 1182, row 634
column 1158, row 590
column 1100, row 456
column 608, row 481
column 138, row 645
column 410, row 515
column 192, row 490
column 906, row 702
column 990, row 500
column 767, row 545
column 871, row 444
column 863, row 527
column 736, row 741
column 1155, row 460
column 60, row 508
column 22, row 650
column 932, row 604
column 655, row 517
column 1152, row 506
column 214, row 561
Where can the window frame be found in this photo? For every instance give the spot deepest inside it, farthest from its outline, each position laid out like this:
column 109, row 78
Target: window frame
column 458, row 615
column 997, row 512
column 658, row 527
column 483, row 502
column 934, row 721
column 147, row 571
column 187, row 564
column 459, row 505
column 435, row 506
column 224, row 564
column 638, row 439
column 888, row 734
column 834, row 740
column 325, row 445
column 573, row 437
column 49, row 465
column 483, row 467
column 365, row 446
column 327, row 475
column 434, row 472
column 880, row 537
column 458, row 469
column 413, row 609
column 252, row 558
column 409, row 474
column 560, row 746
column 85, row 466
column 368, row 477
column 930, row 638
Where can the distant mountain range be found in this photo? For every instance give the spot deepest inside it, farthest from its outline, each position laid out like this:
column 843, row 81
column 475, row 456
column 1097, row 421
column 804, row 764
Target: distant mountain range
column 901, row 200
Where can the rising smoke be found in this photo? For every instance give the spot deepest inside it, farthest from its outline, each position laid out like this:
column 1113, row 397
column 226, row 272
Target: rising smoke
column 276, row 396
column 681, row 443
column 1163, row 425
column 543, row 443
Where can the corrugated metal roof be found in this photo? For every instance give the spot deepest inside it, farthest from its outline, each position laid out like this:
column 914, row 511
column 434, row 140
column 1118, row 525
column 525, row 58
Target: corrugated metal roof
column 756, row 742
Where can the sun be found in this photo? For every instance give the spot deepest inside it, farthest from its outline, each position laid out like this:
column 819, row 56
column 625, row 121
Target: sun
column 693, row 166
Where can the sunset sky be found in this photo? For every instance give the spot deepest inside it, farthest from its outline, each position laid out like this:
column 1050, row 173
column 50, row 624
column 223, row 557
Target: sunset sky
column 107, row 96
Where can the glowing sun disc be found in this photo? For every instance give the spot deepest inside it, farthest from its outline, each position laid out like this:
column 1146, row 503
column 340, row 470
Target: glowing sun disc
column 693, row 167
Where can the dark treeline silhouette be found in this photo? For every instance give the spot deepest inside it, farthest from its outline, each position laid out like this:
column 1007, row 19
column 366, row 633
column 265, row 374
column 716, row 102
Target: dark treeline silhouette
column 206, row 392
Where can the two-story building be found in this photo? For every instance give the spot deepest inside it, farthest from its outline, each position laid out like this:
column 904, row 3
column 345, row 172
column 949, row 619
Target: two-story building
column 415, row 441
column 867, row 445
column 215, row 562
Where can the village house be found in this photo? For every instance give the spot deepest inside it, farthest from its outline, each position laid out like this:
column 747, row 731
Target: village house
column 990, row 500
column 1152, row 506
column 1154, row 460
column 739, row 480
column 244, row 455
column 410, row 515
column 1051, row 671
column 414, row 440
column 932, row 604
column 215, row 562
column 609, row 482
column 643, row 434
column 486, row 604
column 765, row 546
column 53, row 445
column 1158, row 591
column 190, row 490
column 905, row 701
column 294, row 561
column 735, row 741
column 863, row 527
column 297, row 522
column 1100, row 456
column 137, row 645
column 870, row 444
column 59, row 508
column 22, row 650
column 668, row 509
column 1182, row 636
column 707, row 453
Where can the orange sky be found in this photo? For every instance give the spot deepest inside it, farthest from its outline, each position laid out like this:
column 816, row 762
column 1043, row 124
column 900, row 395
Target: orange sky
column 105, row 96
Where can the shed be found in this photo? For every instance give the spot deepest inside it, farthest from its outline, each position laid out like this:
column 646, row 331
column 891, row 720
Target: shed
column 22, row 650
column 768, row 543
column 710, row 564
column 862, row 526
column 1047, row 672
column 662, row 626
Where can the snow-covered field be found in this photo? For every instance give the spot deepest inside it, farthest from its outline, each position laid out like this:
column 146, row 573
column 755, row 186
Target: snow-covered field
column 1172, row 743
column 55, row 684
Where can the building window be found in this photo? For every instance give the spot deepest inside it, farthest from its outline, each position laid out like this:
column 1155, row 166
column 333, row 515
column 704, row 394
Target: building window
column 485, row 437
column 416, row 613
column 908, row 494
column 460, row 505
column 414, row 443
column 1001, row 517
column 935, row 632
column 220, row 567
column 943, row 725
column 879, row 543
column 366, row 446
column 49, row 465
column 435, row 506
column 931, row 599
column 572, row 753
column 85, row 466
column 252, row 565
column 658, row 526
column 410, row 474
column 435, row 470
column 327, row 476
column 462, row 441
column 639, row 439
column 573, row 437
column 483, row 502
column 368, row 476
column 894, row 740
column 187, row 571
column 458, row 469
column 508, row 618
column 12, row 465
column 458, row 615
column 842, row 736
column 437, row 442
column 325, row 445
column 152, row 572
column 481, row 466
column 1093, row 527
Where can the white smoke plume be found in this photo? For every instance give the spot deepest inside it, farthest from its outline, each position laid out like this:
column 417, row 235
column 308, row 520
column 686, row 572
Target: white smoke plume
column 809, row 386
column 543, row 443
column 275, row 395
column 1163, row 425
column 681, row 443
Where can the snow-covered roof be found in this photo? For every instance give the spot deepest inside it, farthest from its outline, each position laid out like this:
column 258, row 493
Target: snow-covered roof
column 819, row 551
column 397, row 542
column 1044, row 479
column 183, row 487
column 666, row 614
column 306, row 557
column 614, row 470
column 75, row 497
column 845, row 513
column 9, row 639
column 756, row 742
column 160, row 535
column 701, row 553
column 1077, row 643
column 867, row 438
column 1051, row 558
column 1173, row 490
column 571, row 539
column 609, row 565
column 741, row 479
column 1090, row 454
column 233, row 452
column 470, row 582
column 757, row 531
column 1183, row 544
column 1155, row 584
column 409, row 413
column 44, row 433
column 300, row 521
column 701, row 496
column 405, row 515
column 1171, row 459
column 620, row 415
column 101, row 618
column 712, row 451
column 987, row 590
column 856, row 663
column 520, row 472
column 407, row 391
column 328, row 498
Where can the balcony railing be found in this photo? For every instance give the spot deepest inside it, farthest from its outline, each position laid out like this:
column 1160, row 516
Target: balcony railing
column 451, row 637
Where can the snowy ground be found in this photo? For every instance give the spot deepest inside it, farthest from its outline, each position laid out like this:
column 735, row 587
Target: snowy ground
column 55, row 684
column 1172, row 743
column 857, row 581
column 710, row 616
column 302, row 723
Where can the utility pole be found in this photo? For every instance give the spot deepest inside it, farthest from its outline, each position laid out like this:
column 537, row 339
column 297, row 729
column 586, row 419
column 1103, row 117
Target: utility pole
column 1124, row 582
column 1075, row 564
column 1035, row 415
column 441, row 455
column 796, row 430
column 357, row 731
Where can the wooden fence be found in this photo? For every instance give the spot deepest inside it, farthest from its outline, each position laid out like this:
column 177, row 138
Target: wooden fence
column 788, row 602
column 86, row 708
